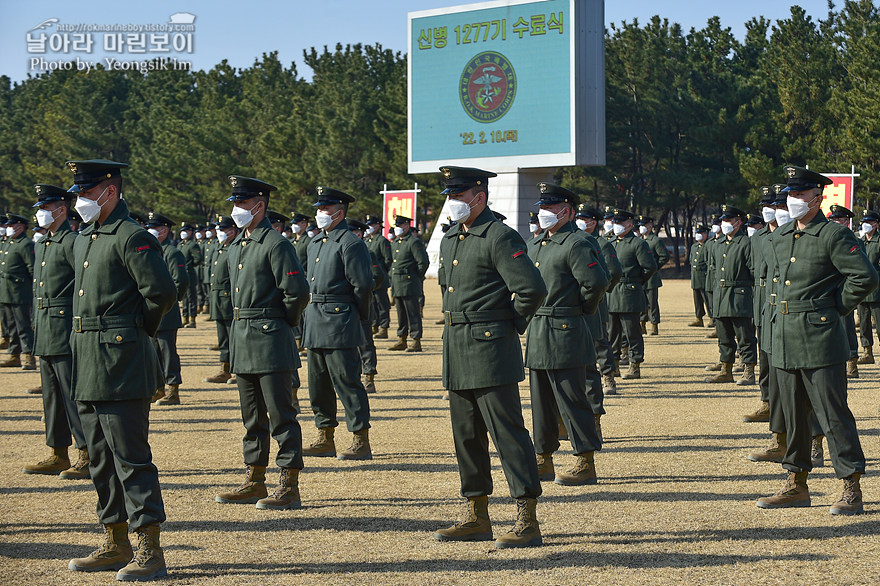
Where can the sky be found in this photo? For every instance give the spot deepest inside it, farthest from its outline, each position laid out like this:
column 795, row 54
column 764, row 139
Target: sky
column 241, row 31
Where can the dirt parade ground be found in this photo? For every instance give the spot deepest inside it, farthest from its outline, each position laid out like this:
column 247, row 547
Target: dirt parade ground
column 675, row 502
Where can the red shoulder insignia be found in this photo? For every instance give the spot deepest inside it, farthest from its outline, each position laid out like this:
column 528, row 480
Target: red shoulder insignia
column 520, row 253
column 591, row 265
column 853, row 249
column 292, row 273
column 143, row 248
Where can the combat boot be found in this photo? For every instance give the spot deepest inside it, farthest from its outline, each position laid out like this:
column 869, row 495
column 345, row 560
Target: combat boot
column 525, row 532
column 850, row 502
column 215, row 348
column 286, row 496
column 710, row 323
column 80, row 469
column 644, row 327
column 852, row 368
column 252, row 490
column 713, row 335
column 113, row 555
column 383, row 334
column 221, row 377
column 776, row 451
column 14, row 361
column 867, row 356
column 28, row 362
column 624, row 358
column 655, row 330
column 616, row 371
column 370, row 383
column 400, row 345
column 748, row 376
column 185, row 320
column 609, row 386
column 192, row 322
column 738, row 365
column 374, row 330
column 415, row 346
column 51, row 466
column 4, row 343
column 634, row 371
column 35, row 390
column 474, row 525
column 160, row 392
column 817, row 452
column 324, row 446
column 359, row 448
column 440, row 321
column 697, row 323
column 759, row 416
column 715, row 367
column 583, row 472
column 172, row 397
column 725, row 376
column 794, row 494
column 598, row 420
column 545, row 467
column 149, row 561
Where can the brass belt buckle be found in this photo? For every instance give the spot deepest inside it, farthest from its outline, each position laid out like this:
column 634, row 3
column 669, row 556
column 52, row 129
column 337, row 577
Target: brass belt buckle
column 235, row 314
column 447, row 318
column 722, row 282
column 77, row 324
column 783, row 305
column 40, row 303
column 773, row 299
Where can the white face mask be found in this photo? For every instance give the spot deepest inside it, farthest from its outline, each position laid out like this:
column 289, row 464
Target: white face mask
column 184, row 235
column 38, row 236
column 154, row 232
column 726, row 228
column 398, row 230
column 241, row 217
column 582, row 224
column 323, row 219
column 867, row 228
column 222, row 236
column 769, row 214
column 310, row 233
column 370, row 231
column 716, row 229
column 751, row 231
column 297, row 228
column 797, row 208
column 698, row 236
column 199, row 235
column 209, row 234
column 45, row 218
column 89, row 209
column 7, row 232
column 547, row 219
column 782, row 217
column 459, row 210
column 643, row 230
column 533, row 228
column 618, row 229
column 609, row 225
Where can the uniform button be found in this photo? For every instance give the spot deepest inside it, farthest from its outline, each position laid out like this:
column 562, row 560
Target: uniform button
column 451, row 289
column 61, row 312
column 86, row 264
column 41, row 283
column 823, row 318
column 240, row 266
column 564, row 326
column 537, row 263
column 775, row 279
column 455, row 262
column 81, row 292
column 787, row 282
column 337, row 309
column 323, row 240
column 724, row 255
column 461, row 236
column 215, row 262
column 94, row 236
column 265, row 327
column 488, row 334
column 792, row 259
column 118, row 338
column 722, row 268
column 395, row 260
column 544, row 243
column 398, row 250
column 42, row 264
column 236, row 289
column 317, row 259
column 796, row 236
column 243, row 243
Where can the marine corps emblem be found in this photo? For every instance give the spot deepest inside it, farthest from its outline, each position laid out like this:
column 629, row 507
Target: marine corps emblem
column 487, row 87
column 791, row 171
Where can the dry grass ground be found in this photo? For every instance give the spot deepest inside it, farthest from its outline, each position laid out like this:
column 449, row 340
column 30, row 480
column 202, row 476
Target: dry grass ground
column 674, row 504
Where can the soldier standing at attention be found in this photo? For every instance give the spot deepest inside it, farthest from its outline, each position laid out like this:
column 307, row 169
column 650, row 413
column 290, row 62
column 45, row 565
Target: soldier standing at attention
column 299, row 223
column 652, row 285
column 408, row 268
column 380, row 308
column 493, row 289
column 823, row 274
column 380, row 279
column 697, row 258
column 560, row 353
column 269, row 293
column 202, row 295
column 17, row 293
column 534, row 226
column 210, row 247
column 4, row 324
column 844, row 216
column 192, row 252
column 221, row 298
column 53, row 318
column 869, row 309
column 122, row 290
column 714, row 237
column 165, row 340
column 626, row 301
column 341, row 282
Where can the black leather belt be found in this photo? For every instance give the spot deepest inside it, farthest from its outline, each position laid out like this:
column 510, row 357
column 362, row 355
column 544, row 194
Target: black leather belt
column 451, row 318
column 103, row 323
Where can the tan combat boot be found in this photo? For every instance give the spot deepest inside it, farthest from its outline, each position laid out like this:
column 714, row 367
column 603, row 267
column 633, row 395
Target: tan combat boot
column 759, row 416
column 609, row 386
column 415, row 346
column 655, row 330
column 400, row 345
column 697, row 323
column 867, row 356
column 725, row 376
column 383, row 334
column 545, row 467
column 14, row 361
column 149, row 560
column 634, row 371
column 172, row 397
column 374, row 330
column 817, row 453
column 583, row 472
column 215, row 348
column 644, row 328
column 370, row 383
column 710, row 323
column 850, row 502
column 738, row 365
column 160, row 392
column 715, row 367
column 359, row 448
column 525, row 532
column 324, row 446
column 776, row 451
column 35, row 390
column 4, row 343
column 474, row 525
column 221, row 377
column 185, row 320
column 253, row 489
column 113, row 555
column 440, row 321
column 286, row 496
column 28, row 362
column 794, row 494
column 713, row 335
column 80, row 469
column 852, row 368
column 597, row 417
column 51, row 466
column 748, row 375
column 191, row 323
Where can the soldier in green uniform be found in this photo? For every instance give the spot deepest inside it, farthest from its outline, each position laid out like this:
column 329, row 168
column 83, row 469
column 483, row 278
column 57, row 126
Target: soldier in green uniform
column 714, row 237
column 823, row 274
column 534, row 228
column 269, row 293
column 844, row 216
column 380, row 279
column 626, row 301
column 341, row 283
column 4, row 324
column 17, row 293
column 165, row 339
column 408, row 268
column 698, row 262
column 221, row 297
column 299, row 223
column 201, row 295
column 122, row 289
column 210, row 248
column 380, row 308
column 869, row 309
column 192, row 252
column 652, row 285
column 560, row 353
column 278, row 221
column 53, row 316
column 492, row 290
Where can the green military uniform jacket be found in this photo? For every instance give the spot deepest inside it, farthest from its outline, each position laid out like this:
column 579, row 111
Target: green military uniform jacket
column 733, row 293
column 771, row 280
column 759, row 272
column 699, row 264
column 302, row 250
column 122, row 289
column 409, row 265
column 609, row 260
column 53, row 292
column 872, row 250
column 210, row 248
column 16, row 271
column 822, row 275
column 559, row 335
column 710, row 263
column 221, row 298
column 493, row 289
column 269, row 293
column 379, row 245
column 341, row 283
column 638, row 264
column 380, row 275
column 192, row 252
column 661, row 256
column 177, row 267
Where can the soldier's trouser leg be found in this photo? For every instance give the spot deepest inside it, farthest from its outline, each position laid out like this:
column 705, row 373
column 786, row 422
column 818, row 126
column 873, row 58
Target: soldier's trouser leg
column 709, row 311
column 632, row 331
column 699, row 309
column 10, row 328
column 383, row 307
column 875, row 316
column 165, row 343
column 653, row 307
column 403, row 324
column 295, row 382
column 368, row 351
column 413, row 315
column 777, row 415
column 643, row 316
column 223, row 327
column 747, row 341
column 562, row 391
column 121, row 465
column 865, row 327
column 498, row 411
column 59, row 409
column 267, row 408
column 5, row 325
column 23, row 315
column 604, row 355
column 849, row 323
column 595, row 394
column 726, row 339
column 337, row 369
column 764, row 374
column 189, row 307
column 823, row 391
column 615, row 334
